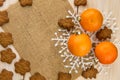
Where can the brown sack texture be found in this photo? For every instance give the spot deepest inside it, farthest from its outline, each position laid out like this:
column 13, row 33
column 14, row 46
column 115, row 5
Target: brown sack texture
column 32, row 29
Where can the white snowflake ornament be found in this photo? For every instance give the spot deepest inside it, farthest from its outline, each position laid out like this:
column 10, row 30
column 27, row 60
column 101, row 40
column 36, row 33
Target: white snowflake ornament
column 72, row 62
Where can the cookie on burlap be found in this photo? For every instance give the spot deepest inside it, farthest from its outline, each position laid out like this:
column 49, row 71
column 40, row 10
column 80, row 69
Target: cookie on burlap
column 90, row 73
column 1, row 2
column 22, row 66
column 5, row 39
column 37, row 76
column 6, row 75
column 26, row 2
column 7, row 56
column 64, row 76
column 80, row 2
column 66, row 23
column 3, row 17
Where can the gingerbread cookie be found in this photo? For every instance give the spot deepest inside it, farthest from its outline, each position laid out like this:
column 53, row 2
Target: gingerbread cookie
column 6, row 39
column 22, row 66
column 66, row 23
column 64, row 76
column 26, row 2
column 37, row 76
column 3, row 17
column 7, row 55
column 1, row 2
column 90, row 73
column 104, row 33
column 6, row 75
column 80, row 2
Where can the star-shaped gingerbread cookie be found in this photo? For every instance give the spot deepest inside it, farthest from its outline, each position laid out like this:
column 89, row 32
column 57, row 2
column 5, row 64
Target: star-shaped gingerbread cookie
column 7, row 56
column 1, row 2
column 22, row 67
column 6, row 75
column 64, row 76
column 90, row 73
column 103, row 34
column 3, row 17
column 37, row 76
column 25, row 2
column 80, row 2
column 66, row 23
column 5, row 39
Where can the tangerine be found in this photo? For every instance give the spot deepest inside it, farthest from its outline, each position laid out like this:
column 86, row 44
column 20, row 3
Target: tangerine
column 106, row 52
column 91, row 19
column 79, row 45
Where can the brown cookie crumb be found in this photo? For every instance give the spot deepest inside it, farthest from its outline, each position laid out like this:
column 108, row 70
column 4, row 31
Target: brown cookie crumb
column 7, row 56
column 64, row 76
column 3, row 17
column 80, row 2
column 6, row 75
column 104, row 34
column 22, row 66
column 5, row 39
column 37, row 76
column 66, row 23
column 26, row 2
column 90, row 73
column 1, row 2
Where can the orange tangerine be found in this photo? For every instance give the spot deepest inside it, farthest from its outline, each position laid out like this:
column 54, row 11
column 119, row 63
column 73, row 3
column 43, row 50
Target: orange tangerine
column 91, row 19
column 106, row 52
column 79, row 45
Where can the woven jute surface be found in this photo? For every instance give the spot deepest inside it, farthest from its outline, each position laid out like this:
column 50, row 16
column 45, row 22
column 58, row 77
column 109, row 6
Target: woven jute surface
column 32, row 29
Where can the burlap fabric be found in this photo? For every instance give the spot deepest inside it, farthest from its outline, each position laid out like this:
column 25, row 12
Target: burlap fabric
column 32, row 29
